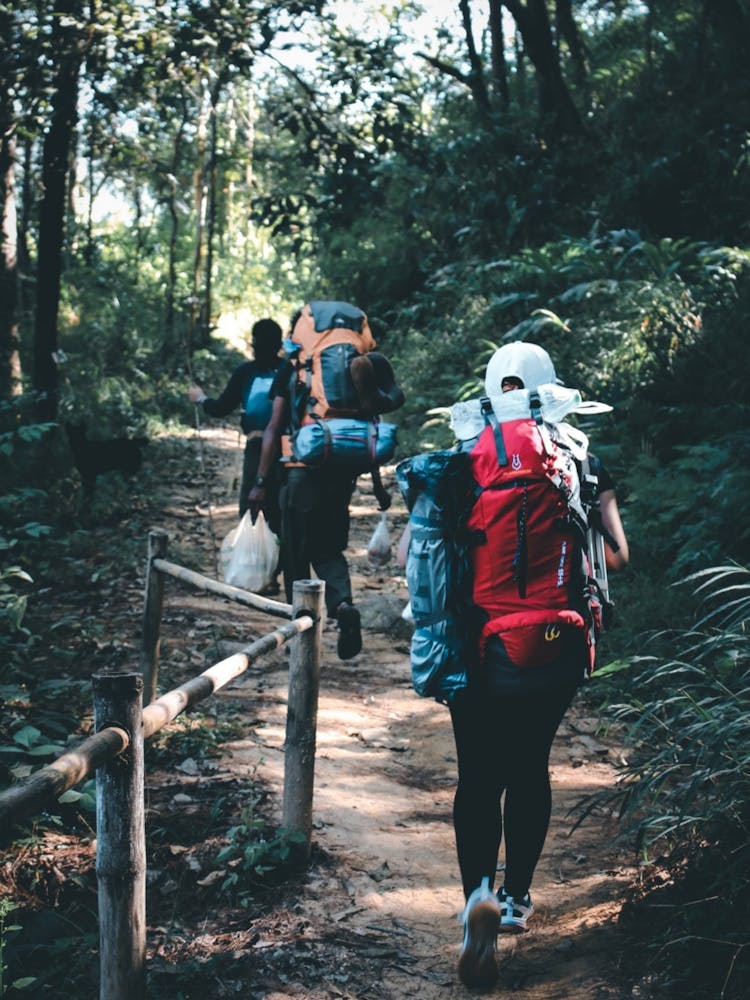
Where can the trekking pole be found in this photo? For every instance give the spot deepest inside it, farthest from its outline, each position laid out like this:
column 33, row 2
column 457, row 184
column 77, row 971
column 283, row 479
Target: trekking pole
column 207, row 492
column 206, row 489
column 595, row 545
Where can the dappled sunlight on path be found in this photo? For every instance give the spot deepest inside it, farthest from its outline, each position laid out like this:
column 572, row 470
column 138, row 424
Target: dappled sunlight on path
column 384, row 878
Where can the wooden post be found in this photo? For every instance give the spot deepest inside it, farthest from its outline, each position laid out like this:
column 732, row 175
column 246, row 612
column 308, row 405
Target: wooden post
column 302, row 715
column 149, row 654
column 121, row 842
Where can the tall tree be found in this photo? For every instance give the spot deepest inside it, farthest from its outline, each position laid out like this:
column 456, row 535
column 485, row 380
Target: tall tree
column 476, row 75
column 555, row 102
column 10, row 361
column 567, row 31
column 67, row 50
column 497, row 52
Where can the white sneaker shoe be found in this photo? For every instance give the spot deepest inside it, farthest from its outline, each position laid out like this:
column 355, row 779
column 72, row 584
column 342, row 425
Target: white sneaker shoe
column 477, row 963
column 514, row 913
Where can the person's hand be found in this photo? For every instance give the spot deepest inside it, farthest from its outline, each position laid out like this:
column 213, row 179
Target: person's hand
column 256, row 500
column 196, row 394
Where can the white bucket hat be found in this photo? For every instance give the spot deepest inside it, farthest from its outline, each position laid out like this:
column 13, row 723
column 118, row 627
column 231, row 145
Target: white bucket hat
column 529, row 362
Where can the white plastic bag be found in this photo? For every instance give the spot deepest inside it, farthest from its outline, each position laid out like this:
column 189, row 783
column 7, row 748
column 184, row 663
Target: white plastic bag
column 379, row 547
column 250, row 554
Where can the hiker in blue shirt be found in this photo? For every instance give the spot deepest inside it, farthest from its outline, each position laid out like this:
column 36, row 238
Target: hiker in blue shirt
column 249, row 387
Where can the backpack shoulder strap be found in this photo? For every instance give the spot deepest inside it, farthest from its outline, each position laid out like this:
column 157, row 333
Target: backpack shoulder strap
column 491, row 420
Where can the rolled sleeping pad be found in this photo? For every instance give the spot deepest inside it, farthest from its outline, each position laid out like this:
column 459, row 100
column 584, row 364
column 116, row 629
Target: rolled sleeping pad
column 375, row 383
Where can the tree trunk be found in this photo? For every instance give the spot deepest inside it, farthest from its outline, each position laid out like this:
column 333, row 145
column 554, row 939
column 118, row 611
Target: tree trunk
column 567, row 30
column 10, row 358
column 733, row 25
column 211, row 213
column 555, row 102
column 476, row 75
column 199, row 207
column 89, row 248
column 26, row 203
column 497, row 51
column 57, row 147
column 174, row 226
column 520, row 69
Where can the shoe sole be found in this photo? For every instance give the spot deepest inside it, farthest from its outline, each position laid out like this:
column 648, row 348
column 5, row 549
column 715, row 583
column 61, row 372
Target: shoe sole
column 515, row 925
column 508, row 927
column 477, row 963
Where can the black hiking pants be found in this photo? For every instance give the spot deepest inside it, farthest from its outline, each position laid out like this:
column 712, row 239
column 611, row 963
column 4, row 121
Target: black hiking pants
column 503, row 744
column 315, row 530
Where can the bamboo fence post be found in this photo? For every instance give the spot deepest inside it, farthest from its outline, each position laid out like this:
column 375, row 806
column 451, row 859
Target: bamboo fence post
column 121, row 842
column 302, row 715
column 152, row 607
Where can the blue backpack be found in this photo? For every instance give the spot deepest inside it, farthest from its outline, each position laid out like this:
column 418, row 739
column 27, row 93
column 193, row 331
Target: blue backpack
column 437, row 490
column 256, row 403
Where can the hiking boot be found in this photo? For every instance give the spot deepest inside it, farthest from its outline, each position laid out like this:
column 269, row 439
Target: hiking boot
column 514, row 913
column 477, row 963
column 350, row 635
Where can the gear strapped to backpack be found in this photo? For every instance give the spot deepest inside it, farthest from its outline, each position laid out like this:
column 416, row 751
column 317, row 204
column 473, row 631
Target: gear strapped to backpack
column 498, row 567
column 337, row 393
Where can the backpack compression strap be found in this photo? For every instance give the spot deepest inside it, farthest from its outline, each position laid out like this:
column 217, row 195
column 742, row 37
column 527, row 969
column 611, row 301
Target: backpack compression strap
column 491, row 420
column 535, row 407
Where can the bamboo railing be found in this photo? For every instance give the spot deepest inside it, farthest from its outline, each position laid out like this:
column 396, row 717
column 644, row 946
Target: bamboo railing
column 115, row 753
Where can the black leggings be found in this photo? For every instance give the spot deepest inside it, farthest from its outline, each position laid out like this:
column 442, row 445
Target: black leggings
column 503, row 744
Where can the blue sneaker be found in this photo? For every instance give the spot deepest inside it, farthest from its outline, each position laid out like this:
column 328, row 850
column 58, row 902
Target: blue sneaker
column 477, row 963
column 514, row 913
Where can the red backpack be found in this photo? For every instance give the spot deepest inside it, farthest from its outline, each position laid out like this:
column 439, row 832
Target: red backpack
column 527, row 530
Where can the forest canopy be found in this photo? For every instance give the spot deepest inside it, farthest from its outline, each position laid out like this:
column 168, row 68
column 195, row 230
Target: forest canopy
column 572, row 172
column 166, row 166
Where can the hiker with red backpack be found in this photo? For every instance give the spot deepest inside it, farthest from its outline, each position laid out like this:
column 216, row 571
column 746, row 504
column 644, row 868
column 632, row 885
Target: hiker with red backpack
column 508, row 597
column 325, row 430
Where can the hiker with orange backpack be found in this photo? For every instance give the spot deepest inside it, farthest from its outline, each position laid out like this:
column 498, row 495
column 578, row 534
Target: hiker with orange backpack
column 325, row 430
column 507, row 604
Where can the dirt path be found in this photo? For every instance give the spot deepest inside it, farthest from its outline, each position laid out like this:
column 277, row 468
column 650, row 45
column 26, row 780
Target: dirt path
column 376, row 916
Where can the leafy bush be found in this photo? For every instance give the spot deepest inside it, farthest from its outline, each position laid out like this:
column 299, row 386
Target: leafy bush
column 252, row 852
column 686, row 789
column 620, row 315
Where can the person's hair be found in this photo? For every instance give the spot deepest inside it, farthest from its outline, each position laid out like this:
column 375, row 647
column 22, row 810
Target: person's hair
column 293, row 321
column 266, row 338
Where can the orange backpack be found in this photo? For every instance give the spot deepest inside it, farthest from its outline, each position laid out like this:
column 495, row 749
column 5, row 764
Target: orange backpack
column 327, row 337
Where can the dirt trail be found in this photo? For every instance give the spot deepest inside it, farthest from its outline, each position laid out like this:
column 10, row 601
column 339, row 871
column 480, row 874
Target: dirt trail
column 376, row 917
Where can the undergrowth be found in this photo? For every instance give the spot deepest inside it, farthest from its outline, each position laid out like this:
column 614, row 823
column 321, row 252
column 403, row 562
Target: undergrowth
column 684, row 791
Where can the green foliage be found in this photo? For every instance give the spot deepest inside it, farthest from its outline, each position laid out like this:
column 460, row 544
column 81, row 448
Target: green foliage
column 687, row 527
column 195, row 735
column 252, row 853
column 619, row 315
column 7, row 906
column 686, row 788
column 12, row 604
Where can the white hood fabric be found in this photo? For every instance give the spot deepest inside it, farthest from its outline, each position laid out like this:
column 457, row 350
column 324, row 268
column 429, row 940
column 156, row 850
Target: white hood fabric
column 534, row 367
column 529, row 362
